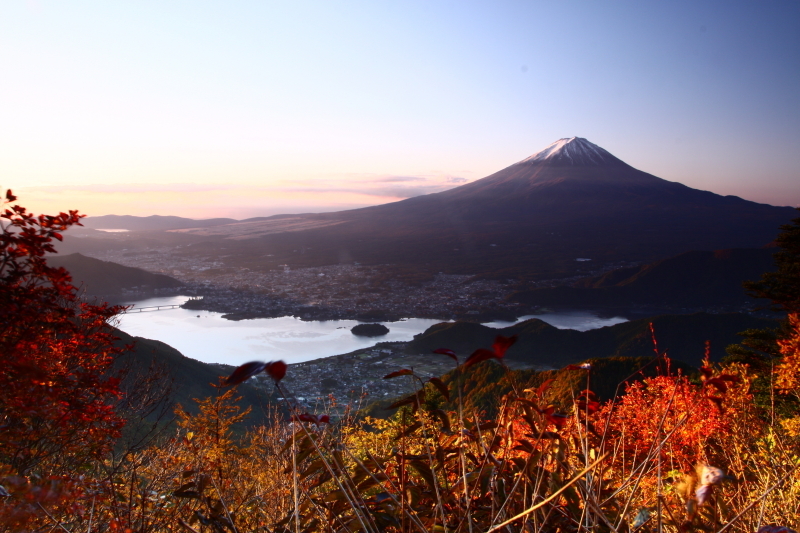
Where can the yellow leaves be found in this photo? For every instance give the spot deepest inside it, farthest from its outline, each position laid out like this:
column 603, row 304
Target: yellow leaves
column 791, row 426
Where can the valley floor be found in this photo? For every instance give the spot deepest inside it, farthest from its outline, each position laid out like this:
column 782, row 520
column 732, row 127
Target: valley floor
column 341, row 382
column 351, row 291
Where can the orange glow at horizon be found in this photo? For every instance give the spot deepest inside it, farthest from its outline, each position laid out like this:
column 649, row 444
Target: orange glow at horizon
column 237, row 202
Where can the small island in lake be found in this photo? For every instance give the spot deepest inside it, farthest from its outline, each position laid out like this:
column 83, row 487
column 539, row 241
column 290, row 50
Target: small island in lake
column 370, row 330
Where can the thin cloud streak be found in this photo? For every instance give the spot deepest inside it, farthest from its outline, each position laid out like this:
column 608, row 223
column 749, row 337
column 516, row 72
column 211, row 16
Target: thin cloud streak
column 236, row 200
column 365, row 186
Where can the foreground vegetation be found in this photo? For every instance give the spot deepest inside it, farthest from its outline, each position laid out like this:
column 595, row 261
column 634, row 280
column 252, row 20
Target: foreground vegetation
column 665, row 450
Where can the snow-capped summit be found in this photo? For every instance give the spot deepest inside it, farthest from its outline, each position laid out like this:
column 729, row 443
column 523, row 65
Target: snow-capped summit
column 575, row 151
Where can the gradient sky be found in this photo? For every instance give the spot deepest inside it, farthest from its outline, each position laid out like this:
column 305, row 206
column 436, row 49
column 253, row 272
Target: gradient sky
column 249, row 108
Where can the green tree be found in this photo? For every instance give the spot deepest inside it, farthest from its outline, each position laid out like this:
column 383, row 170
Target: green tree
column 782, row 287
column 759, row 348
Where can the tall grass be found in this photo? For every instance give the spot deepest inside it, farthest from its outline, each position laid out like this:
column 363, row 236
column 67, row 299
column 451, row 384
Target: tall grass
column 668, row 454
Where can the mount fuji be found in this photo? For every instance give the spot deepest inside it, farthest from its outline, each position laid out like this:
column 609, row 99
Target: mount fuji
column 572, row 200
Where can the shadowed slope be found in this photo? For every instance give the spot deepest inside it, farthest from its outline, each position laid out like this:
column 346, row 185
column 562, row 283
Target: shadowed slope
column 683, row 336
column 691, row 279
column 104, row 278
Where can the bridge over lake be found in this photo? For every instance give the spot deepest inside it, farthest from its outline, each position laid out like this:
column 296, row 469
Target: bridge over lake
column 150, row 309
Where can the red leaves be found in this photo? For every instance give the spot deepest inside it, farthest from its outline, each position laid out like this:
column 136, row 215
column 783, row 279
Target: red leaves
column 397, row 373
column 720, row 383
column 584, row 366
column 557, row 419
column 58, row 387
column 590, row 406
column 449, row 353
column 549, row 413
column 502, row 344
column 314, row 419
column 499, row 348
column 245, row 372
column 479, row 355
column 275, row 369
column 587, row 403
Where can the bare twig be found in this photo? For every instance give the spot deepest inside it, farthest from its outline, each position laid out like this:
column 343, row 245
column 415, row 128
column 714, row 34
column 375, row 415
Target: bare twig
column 754, row 502
column 549, row 498
column 58, row 523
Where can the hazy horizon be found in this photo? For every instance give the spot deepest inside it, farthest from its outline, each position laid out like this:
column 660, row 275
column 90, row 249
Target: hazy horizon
column 253, row 109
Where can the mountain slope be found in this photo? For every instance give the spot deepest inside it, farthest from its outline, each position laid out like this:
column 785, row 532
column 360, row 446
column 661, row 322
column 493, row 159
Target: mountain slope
column 190, row 379
column 151, row 223
column 691, row 279
column 571, row 200
column 683, row 336
column 104, row 278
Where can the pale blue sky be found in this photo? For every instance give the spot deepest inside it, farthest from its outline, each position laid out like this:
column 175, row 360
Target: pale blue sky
column 252, row 108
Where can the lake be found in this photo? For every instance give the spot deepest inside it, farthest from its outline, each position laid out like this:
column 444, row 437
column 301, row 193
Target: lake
column 208, row 337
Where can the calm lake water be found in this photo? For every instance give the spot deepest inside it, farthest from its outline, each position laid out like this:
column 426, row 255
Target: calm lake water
column 213, row 339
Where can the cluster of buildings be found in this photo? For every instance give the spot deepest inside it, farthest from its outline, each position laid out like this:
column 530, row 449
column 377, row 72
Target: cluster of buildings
column 347, row 291
column 321, row 293
column 350, row 381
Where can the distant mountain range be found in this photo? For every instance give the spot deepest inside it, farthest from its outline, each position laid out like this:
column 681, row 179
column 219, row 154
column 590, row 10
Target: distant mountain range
column 104, row 278
column 572, row 200
column 691, row 279
column 151, row 223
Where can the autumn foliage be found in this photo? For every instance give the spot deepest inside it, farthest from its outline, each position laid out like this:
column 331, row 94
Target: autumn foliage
column 56, row 392
column 671, row 451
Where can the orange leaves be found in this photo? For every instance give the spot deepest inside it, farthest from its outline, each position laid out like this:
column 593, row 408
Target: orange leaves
column 662, row 405
column 787, row 374
column 720, row 382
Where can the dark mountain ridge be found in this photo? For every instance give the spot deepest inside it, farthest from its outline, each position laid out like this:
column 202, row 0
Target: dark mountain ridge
column 692, row 279
column 104, row 278
column 151, row 223
column 683, row 336
column 186, row 379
